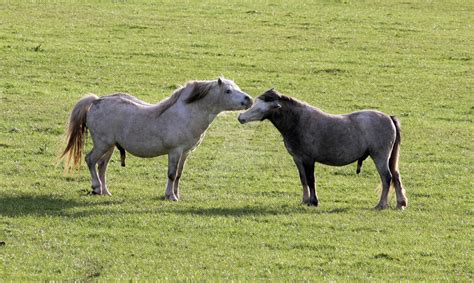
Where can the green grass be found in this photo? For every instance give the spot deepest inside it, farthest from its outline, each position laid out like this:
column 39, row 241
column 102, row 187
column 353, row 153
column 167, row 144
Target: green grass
column 240, row 216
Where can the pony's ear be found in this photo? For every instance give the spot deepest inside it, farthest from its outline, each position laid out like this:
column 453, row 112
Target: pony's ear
column 219, row 81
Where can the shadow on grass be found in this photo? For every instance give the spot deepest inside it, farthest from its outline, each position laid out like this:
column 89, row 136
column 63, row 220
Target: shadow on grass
column 50, row 205
column 255, row 211
column 43, row 205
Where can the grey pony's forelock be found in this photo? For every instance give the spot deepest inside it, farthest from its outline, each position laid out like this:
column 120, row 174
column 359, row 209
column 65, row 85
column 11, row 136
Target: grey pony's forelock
column 273, row 95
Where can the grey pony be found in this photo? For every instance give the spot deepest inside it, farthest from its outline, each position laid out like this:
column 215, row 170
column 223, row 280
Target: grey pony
column 311, row 135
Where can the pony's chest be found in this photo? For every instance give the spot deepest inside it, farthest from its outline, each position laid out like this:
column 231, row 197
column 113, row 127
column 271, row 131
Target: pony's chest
column 293, row 145
column 193, row 141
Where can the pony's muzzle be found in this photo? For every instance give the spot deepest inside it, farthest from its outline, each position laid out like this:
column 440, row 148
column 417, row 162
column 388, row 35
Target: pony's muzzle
column 247, row 103
column 241, row 119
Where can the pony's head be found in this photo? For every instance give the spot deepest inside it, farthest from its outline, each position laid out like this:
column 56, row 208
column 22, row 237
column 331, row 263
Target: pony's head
column 264, row 106
column 224, row 94
column 231, row 97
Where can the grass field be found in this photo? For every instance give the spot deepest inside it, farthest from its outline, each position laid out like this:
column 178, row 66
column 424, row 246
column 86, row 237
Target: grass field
column 240, row 216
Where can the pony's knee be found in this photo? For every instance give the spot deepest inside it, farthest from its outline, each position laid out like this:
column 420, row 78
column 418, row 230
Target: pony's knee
column 88, row 159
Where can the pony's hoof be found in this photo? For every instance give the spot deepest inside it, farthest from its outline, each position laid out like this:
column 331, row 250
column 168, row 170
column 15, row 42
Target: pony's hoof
column 304, row 201
column 100, row 192
column 95, row 192
column 171, row 197
column 401, row 205
column 313, row 203
column 381, row 206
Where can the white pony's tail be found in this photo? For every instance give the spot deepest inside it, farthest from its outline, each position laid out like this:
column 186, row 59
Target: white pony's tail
column 77, row 133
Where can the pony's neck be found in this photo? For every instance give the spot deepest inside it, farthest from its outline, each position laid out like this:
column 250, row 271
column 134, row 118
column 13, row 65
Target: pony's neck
column 287, row 117
column 206, row 105
column 199, row 113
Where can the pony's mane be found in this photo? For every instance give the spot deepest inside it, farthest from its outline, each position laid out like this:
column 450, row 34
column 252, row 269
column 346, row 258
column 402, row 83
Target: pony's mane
column 273, row 95
column 199, row 90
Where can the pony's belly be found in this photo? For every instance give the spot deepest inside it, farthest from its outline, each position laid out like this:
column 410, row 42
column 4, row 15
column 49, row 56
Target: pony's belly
column 144, row 150
column 338, row 160
column 147, row 154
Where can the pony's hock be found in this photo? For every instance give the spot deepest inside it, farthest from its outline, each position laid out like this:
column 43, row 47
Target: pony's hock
column 174, row 127
column 311, row 135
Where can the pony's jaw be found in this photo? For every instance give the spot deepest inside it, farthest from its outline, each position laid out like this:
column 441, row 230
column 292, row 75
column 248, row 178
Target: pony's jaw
column 257, row 112
column 240, row 101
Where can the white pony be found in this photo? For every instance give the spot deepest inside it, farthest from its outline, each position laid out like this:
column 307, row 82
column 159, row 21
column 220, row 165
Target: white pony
column 174, row 126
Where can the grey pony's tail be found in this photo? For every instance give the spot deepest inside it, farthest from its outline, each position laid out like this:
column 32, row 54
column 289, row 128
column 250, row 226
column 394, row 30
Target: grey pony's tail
column 393, row 164
column 77, row 133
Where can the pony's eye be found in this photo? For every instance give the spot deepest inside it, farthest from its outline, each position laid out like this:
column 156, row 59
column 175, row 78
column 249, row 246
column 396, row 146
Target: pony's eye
column 228, row 91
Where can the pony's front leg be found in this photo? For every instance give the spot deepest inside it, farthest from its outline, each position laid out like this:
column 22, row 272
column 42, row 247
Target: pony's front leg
column 309, row 170
column 173, row 160
column 304, row 182
column 181, row 163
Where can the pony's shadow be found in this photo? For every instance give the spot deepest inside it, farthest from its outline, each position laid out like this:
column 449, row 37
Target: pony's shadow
column 50, row 205
column 255, row 211
column 42, row 205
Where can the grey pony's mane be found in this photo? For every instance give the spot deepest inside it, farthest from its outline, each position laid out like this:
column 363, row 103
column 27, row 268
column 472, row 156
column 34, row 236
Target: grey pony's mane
column 273, row 95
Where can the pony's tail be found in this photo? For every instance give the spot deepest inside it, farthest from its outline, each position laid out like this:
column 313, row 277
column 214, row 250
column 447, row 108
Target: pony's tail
column 402, row 200
column 393, row 163
column 76, row 133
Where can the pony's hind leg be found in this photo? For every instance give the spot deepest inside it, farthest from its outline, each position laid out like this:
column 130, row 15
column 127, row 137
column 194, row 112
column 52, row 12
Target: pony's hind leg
column 102, row 166
column 386, row 177
column 91, row 159
column 402, row 200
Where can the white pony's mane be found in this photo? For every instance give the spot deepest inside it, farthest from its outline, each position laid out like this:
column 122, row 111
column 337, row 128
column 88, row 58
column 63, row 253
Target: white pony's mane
column 199, row 90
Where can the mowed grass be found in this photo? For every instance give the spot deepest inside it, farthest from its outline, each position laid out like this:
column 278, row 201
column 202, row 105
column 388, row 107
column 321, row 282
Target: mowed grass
column 240, row 216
